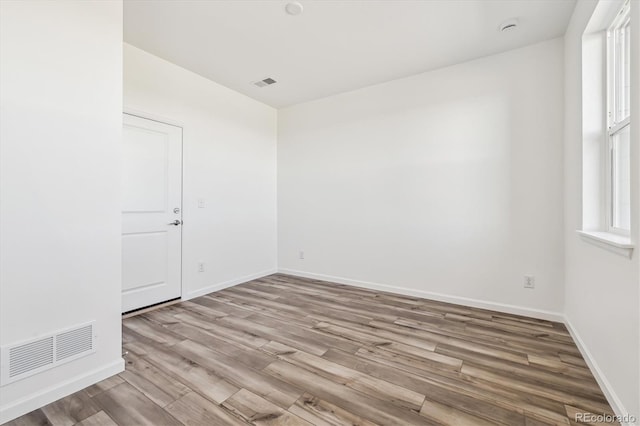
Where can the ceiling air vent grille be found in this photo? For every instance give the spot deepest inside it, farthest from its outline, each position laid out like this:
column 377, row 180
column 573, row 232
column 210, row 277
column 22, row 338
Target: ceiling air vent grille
column 266, row 82
column 34, row 356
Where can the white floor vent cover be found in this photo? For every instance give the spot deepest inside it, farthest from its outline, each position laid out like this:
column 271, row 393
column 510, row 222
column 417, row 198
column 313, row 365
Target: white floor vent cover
column 24, row 359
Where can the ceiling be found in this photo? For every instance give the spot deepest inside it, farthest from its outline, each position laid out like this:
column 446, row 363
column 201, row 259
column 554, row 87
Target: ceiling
column 334, row 46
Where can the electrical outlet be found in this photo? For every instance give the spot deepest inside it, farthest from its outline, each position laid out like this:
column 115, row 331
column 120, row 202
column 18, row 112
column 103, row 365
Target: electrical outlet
column 201, row 203
column 200, row 266
column 529, row 281
column 301, row 255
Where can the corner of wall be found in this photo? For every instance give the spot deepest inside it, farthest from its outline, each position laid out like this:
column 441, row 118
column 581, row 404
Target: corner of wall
column 598, row 374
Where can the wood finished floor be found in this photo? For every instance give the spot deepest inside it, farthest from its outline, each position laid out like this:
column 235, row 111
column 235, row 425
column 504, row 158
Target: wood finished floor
column 291, row 351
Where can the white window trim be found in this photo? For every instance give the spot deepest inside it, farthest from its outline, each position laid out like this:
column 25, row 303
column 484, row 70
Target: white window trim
column 609, row 206
column 613, row 125
column 606, row 16
column 618, row 244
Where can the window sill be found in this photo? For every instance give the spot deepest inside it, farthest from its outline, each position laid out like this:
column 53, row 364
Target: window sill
column 619, row 244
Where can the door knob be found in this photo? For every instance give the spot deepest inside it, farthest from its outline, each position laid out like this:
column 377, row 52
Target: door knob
column 176, row 222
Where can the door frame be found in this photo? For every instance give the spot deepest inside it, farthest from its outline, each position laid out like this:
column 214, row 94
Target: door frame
column 171, row 122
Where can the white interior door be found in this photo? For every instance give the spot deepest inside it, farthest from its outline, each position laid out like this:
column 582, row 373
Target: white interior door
column 151, row 212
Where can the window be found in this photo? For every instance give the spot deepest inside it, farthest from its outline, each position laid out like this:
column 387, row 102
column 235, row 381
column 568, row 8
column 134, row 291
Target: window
column 606, row 129
column 618, row 122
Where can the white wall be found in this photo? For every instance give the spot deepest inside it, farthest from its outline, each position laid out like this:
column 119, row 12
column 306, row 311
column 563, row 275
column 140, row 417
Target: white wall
column 60, row 99
column 601, row 299
column 229, row 145
column 447, row 182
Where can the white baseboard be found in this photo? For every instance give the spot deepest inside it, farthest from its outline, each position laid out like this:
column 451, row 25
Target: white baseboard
column 457, row 300
column 48, row 395
column 606, row 387
column 227, row 284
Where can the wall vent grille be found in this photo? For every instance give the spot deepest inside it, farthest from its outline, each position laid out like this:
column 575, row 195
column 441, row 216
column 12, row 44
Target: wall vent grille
column 74, row 342
column 31, row 356
column 36, row 355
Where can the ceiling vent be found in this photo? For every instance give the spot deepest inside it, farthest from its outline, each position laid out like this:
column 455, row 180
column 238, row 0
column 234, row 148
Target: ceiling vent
column 266, row 82
column 33, row 356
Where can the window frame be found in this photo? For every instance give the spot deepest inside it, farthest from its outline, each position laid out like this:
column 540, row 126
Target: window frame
column 615, row 123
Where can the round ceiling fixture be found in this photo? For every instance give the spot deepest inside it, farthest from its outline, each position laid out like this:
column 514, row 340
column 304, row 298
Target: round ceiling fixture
column 294, row 8
column 509, row 25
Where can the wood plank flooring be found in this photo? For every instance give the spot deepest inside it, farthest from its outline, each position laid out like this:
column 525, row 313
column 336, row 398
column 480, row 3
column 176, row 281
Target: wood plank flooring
column 283, row 350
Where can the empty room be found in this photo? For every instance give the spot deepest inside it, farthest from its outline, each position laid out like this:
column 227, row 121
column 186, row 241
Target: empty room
column 319, row 212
